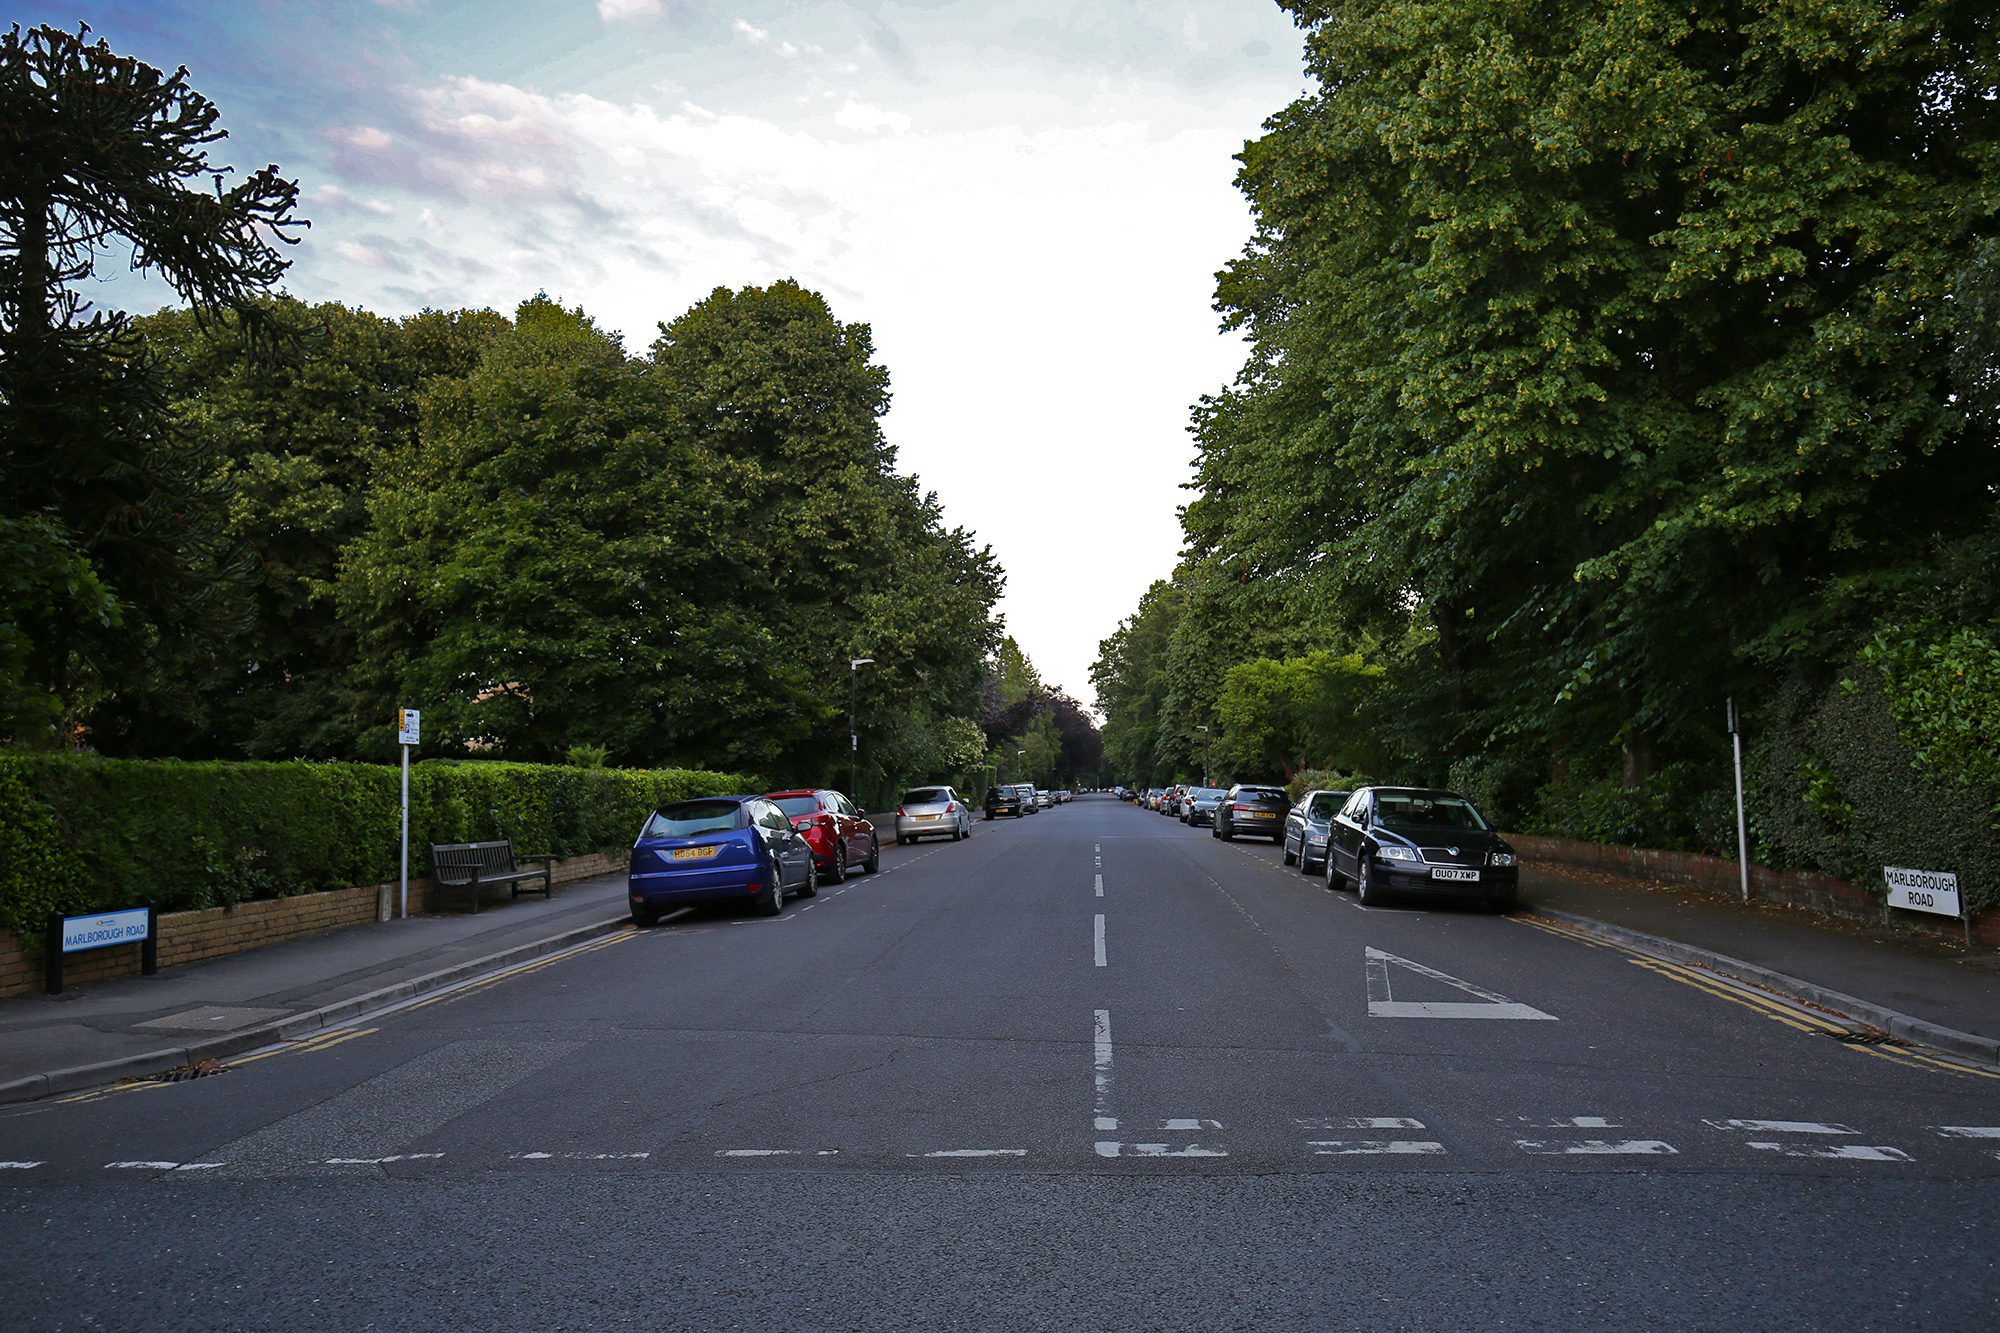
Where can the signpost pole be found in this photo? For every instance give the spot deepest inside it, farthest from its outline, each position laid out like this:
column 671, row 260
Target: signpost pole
column 403, row 884
column 1742, row 825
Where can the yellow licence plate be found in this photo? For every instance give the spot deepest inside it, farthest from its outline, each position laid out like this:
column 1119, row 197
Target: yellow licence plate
column 694, row 853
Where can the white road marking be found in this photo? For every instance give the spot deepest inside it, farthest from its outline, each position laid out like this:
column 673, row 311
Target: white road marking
column 1156, row 1150
column 1383, row 1004
column 1595, row 1147
column 140, row 1166
column 1103, row 1122
column 1102, row 1062
column 1360, row 1147
column 1190, row 1124
column 978, row 1152
column 24, row 1166
column 1853, row 1152
column 1947, row 1131
column 378, row 1161
column 1361, row 1122
column 1096, row 846
column 1098, row 933
column 576, row 1156
column 198, row 1166
column 1100, row 886
column 1559, row 1122
column 758, row 1152
column 1782, row 1126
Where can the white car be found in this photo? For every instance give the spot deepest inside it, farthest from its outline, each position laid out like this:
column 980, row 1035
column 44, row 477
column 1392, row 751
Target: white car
column 932, row 812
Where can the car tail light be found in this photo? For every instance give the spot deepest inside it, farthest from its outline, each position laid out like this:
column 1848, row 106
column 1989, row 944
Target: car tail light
column 1243, row 809
column 950, row 808
column 899, row 812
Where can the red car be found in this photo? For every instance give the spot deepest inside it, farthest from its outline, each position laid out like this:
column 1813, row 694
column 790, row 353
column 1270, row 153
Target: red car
column 840, row 835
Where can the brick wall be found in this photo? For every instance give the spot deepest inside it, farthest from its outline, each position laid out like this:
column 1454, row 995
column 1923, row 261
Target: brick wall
column 190, row 937
column 1799, row 888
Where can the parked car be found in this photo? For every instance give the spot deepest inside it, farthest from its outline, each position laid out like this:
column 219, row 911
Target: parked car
column 1199, row 805
column 841, row 836
column 1026, row 791
column 925, row 811
column 1252, row 811
column 718, row 849
column 1003, row 801
column 1419, row 840
column 1044, row 800
column 1306, row 826
column 1170, row 801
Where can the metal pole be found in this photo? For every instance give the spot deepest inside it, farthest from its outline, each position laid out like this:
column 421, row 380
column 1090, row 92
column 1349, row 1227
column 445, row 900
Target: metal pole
column 853, row 735
column 403, row 889
column 1742, row 825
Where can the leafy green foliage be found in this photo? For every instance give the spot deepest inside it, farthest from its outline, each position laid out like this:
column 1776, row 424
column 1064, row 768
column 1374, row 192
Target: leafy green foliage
column 1281, row 715
column 82, row 834
column 1943, row 689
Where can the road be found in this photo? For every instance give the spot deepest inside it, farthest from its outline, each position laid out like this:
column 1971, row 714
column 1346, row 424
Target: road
column 1088, row 1070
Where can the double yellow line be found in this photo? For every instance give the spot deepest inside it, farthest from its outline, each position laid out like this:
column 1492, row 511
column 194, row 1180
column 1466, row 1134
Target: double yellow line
column 523, row 969
column 1770, row 1006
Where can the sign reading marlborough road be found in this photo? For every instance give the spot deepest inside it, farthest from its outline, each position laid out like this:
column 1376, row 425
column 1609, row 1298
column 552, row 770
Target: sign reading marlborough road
column 1922, row 890
column 92, row 932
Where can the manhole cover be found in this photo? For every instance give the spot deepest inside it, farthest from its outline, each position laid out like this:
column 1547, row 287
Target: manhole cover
column 214, row 1018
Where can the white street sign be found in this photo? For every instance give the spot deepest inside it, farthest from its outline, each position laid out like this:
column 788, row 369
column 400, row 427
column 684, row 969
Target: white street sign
column 1922, row 890
column 89, row 932
column 406, row 725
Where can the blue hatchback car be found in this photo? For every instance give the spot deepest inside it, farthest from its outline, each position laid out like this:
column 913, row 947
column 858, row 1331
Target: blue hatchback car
column 719, row 849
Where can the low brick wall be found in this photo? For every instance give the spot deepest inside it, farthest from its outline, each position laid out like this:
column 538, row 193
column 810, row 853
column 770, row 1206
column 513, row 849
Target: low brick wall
column 191, row 937
column 1797, row 888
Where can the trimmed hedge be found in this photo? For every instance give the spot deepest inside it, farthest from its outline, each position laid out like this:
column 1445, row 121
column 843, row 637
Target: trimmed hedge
column 80, row 833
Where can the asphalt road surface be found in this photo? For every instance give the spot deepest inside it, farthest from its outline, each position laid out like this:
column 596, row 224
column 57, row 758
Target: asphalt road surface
column 1090, row 1070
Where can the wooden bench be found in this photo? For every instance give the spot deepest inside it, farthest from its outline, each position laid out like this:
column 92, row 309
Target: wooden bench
column 477, row 864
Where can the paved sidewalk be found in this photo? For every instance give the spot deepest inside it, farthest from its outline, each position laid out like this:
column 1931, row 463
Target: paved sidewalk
column 132, row 1016
column 1928, row 980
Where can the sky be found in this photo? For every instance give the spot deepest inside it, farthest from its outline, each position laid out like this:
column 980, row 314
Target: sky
column 1027, row 202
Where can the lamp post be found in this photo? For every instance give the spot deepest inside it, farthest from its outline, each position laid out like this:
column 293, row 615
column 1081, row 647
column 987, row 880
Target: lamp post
column 854, row 665
column 1207, row 778
column 1021, row 754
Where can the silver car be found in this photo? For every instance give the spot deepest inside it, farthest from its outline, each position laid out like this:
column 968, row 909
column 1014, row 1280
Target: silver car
column 932, row 811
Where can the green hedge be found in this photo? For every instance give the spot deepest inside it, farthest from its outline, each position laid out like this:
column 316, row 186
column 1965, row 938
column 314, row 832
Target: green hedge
column 83, row 834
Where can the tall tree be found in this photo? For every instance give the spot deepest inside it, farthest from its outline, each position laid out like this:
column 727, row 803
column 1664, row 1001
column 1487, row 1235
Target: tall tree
column 98, row 151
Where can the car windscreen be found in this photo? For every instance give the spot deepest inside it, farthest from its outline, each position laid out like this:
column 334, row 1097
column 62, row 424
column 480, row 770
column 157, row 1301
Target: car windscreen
column 1327, row 804
column 798, row 805
column 690, row 819
column 926, row 796
column 1427, row 812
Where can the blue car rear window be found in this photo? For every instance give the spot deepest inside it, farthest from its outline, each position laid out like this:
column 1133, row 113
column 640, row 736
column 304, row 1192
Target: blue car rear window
column 690, row 819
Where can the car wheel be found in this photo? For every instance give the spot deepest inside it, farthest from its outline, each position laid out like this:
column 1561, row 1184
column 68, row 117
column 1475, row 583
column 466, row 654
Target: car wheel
column 1226, row 837
column 989, row 816
column 810, row 889
column 1288, row 858
column 874, row 861
column 837, row 872
column 1306, row 867
column 772, row 900
column 1365, row 889
column 1335, row 881
column 645, row 918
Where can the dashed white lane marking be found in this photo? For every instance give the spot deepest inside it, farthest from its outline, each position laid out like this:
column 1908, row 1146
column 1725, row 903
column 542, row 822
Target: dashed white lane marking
column 1595, row 1147
column 1100, row 886
column 25, row 1166
column 1361, row 1122
column 1782, row 1126
column 976, row 1152
column 1101, row 1064
column 1097, row 933
column 199, row 1166
column 1366, row 1147
column 759, row 1152
column 1559, row 1122
column 1190, row 1124
column 140, row 1166
column 1383, row 1004
column 577, row 1156
column 1109, row 1149
column 379, row 1161
column 1852, row 1152
column 1947, row 1131
column 1103, row 1122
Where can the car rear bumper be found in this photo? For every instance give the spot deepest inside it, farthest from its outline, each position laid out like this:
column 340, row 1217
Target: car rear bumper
column 915, row 826
column 667, row 887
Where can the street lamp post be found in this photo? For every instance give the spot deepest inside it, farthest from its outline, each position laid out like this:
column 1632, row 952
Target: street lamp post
column 854, row 666
column 1207, row 778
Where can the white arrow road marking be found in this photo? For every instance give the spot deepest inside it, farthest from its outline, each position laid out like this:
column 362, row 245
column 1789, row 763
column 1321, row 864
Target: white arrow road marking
column 1360, row 1147
column 1383, row 1004
column 1782, row 1126
column 1853, row 1152
column 1595, row 1147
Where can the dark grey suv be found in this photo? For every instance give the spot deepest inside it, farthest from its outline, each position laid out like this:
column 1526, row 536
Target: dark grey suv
column 1250, row 811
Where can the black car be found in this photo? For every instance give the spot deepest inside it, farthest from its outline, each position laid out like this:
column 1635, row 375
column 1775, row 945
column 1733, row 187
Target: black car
column 1250, row 811
column 1419, row 840
column 1198, row 807
column 1003, row 801
column 1306, row 826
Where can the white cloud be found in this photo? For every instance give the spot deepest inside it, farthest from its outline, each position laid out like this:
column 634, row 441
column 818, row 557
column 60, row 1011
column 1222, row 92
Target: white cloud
column 365, row 137
column 758, row 36
column 628, row 11
column 332, row 196
column 861, row 116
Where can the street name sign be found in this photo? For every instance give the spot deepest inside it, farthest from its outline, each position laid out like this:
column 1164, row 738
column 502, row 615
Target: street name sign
column 1922, row 890
column 94, row 932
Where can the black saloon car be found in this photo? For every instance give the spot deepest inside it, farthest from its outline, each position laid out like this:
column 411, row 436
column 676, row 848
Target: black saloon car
column 1253, row 812
column 1003, row 801
column 1306, row 827
column 1419, row 840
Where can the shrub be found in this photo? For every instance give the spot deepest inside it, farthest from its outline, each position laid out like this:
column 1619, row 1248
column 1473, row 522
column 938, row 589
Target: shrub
column 80, row 833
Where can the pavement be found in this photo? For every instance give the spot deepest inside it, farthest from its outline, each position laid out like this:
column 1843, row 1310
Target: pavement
column 94, row 1033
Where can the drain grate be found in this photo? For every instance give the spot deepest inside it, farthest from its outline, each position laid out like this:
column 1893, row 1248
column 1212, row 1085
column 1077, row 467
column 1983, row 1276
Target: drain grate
column 180, row 1073
column 1869, row 1037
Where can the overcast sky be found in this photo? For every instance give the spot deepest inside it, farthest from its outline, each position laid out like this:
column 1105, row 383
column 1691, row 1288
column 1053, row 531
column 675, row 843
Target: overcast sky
column 1027, row 201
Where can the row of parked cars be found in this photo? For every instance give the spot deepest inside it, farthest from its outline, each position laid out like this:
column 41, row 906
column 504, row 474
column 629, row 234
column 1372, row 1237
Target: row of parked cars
column 1380, row 841
column 1021, row 798
column 763, row 849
